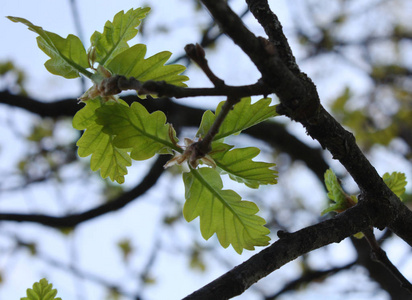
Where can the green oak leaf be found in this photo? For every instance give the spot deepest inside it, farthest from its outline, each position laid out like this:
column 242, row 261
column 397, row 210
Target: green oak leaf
column 68, row 57
column 396, row 182
column 111, row 160
column 42, row 290
column 131, row 63
column 242, row 116
column 239, row 165
column 222, row 211
column 341, row 200
column 136, row 129
column 116, row 34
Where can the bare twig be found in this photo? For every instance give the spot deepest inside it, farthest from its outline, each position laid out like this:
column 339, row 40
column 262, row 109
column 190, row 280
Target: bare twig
column 162, row 88
column 204, row 146
column 197, row 54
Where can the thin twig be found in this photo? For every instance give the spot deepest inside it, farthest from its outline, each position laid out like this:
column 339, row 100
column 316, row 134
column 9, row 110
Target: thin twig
column 205, row 145
column 77, row 24
column 197, row 54
column 162, row 88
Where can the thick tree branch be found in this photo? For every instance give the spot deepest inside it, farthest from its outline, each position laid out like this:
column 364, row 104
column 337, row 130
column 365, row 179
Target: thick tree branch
column 287, row 248
column 270, row 23
column 300, row 101
column 72, row 220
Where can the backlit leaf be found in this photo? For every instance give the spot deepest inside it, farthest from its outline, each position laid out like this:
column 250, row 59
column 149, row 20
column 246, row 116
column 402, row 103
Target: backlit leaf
column 242, row 116
column 134, row 128
column 341, row 200
column 42, row 290
column 239, row 165
column 396, row 182
column 222, row 211
column 131, row 62
column 115, row 35
column 68, row 57
column 111, row 160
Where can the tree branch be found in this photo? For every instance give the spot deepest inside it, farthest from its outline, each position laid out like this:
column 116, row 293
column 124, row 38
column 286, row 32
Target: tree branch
column 378, row 272
column 162, row 88
column 55, row 109
column 309, row 277
column 380, row 256
column 72, row 220
column 300, row 101
column 287, row 248
column 184, row 116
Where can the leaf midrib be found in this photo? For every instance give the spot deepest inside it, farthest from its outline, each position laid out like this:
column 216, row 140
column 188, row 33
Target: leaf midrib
column 220, row 198
column 115, row 45
column 146, row 134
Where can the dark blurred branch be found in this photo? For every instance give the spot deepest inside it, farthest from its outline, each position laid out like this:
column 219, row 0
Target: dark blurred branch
column 184, row 116
column 378, row 272
column 61, row 108
column 380, row 256
column 82, row 274
column 279, row 138
column 309, row 277
column 74, row 219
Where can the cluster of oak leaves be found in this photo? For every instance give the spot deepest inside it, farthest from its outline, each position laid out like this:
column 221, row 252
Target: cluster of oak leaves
column 115, row 133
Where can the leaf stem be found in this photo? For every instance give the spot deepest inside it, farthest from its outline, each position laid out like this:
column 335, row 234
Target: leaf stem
column 85, row 72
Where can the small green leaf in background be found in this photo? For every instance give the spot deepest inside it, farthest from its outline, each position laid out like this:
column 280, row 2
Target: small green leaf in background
column 136, row 129
column 242, row 116
column 337, row 195
column 338, row 106
column 222, row 211
column 42, row 290
column 68, row 57
column 126, row 248
column 116, row 34
column 197, row 260
column 396, row 182
column 239, row 165
column 111, row 160
column 131, row 63
column 17, row 85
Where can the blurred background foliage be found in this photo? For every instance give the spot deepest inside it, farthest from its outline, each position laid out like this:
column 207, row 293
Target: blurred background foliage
column 358, row 53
